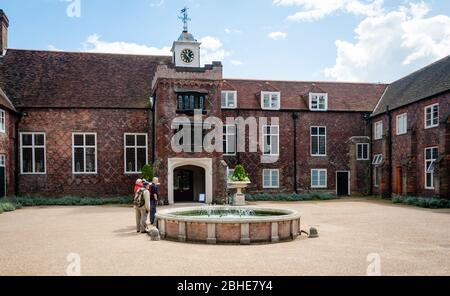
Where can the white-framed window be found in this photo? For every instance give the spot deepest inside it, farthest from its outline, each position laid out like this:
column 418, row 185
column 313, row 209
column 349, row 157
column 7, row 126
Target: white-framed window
column 271, row 138
column 402, row 124
column 84, row 153
column 32, row 153
column 271, row 179
column 2, row 160
column 318, row 102
column 362, row 151
column 2, row 121
column 319, row 178
column 318, row 141
column 229, row 99
column 431, row 156
column 229, row 139
column 230, row 173
column 432, row 116
column 136, row 152
column 378, row 130
column 270, row 100
column 378, row 160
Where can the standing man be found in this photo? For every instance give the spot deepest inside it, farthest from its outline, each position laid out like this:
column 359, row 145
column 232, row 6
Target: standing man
column 142, row 207
column 153, row 200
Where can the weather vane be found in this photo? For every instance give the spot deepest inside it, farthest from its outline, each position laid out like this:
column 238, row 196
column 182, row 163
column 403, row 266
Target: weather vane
column 185, row 18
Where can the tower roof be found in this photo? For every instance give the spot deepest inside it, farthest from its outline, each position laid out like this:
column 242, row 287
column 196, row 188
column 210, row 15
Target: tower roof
column 186, row 37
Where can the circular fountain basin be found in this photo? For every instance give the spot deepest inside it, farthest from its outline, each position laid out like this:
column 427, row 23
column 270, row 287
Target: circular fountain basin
column 229, row 225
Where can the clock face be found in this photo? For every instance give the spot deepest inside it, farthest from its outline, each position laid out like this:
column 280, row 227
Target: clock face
column 187, row 56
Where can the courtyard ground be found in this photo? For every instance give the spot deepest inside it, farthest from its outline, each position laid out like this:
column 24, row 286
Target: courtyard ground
column 410, row 241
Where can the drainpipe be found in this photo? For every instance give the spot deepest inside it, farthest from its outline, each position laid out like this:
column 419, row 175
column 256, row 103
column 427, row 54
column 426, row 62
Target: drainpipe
column 16, row 156
column 389, row 152
column 153, row 110
column 295, row 118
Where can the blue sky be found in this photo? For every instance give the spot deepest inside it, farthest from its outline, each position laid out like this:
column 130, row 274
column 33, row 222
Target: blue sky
column 345, row 40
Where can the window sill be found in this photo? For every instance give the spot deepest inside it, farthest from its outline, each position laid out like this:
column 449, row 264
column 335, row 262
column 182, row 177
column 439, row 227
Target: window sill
column 430, row 127
column 190, row 112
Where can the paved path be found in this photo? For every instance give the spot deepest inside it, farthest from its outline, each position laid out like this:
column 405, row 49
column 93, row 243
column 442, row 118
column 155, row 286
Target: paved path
column 410, row 241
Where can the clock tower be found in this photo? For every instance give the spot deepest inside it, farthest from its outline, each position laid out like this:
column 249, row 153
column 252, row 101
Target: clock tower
column 186, row 50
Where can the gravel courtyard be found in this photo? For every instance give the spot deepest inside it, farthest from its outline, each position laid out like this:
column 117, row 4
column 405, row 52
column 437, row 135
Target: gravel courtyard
column 410, row 241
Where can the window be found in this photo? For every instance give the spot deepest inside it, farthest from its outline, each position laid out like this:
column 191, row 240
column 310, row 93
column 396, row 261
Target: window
column 362, row 152
column 2, row 160
column 378, row 160
column 318, row 102
column 318, row 178
column 402, row 124
column 32, row 153
column 190, row 102
column 84, row 153
column 136, row 153
column 376, row 176
column 432, row 116
column 229, row 139
column 318, row 141
column 2, row 121
column 271, row 178
column 271, row 136
column 431, row 156
column 378, row 130
column 197, row 136
column 270, row 100
column 229, row 99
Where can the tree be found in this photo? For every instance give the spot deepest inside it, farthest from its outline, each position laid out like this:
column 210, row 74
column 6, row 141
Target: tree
column 147, row 172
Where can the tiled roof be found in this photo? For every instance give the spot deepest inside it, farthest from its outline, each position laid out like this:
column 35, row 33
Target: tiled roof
column 429, row 81
column 61, row 79
column 294, row 94
column 5, row 102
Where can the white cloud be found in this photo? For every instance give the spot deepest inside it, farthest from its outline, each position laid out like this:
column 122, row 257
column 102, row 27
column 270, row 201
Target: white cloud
column 212, row 50
column 232, row 31
column 312, row 10
column 157, row 3
column 51, row 47
column 94, row 44
column 277, row 35
column 236, row 63
column 392, row 44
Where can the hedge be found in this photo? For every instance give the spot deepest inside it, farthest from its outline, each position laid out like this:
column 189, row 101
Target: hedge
column 70, row 201
column 291, row 197
column 422, row 202
column 6, row 206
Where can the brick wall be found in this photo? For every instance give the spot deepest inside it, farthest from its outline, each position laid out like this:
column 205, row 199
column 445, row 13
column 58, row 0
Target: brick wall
column 7, row 148
column 408, row 149
column 110, row 126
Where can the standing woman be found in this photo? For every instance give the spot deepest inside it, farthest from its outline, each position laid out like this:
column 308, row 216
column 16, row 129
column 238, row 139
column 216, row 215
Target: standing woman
column 153, row 200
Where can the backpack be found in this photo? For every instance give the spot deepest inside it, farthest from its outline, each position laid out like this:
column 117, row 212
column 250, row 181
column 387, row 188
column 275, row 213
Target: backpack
column 139, row 199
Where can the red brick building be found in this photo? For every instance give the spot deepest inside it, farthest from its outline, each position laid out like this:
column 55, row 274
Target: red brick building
column 84, row 124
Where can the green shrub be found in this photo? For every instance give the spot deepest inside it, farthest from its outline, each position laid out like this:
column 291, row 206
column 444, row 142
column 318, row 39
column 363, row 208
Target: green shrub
column 7, row 206
column 291, row 197
column 1, row 210
column 147, row 172
column 70, row 201
column 239, row 174
column 422, row 202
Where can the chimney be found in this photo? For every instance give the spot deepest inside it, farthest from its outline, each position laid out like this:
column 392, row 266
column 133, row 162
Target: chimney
column 4, row 24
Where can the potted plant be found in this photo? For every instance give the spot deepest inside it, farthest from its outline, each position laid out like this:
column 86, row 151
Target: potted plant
column 239, row 181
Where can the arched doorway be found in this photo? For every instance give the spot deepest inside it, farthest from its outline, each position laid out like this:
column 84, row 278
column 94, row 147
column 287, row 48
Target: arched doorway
column 188, row 183
column 202, row 171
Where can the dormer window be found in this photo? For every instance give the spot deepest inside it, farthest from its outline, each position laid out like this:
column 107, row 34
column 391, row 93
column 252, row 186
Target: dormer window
column 270, row 100
column 229, row 99
column 318, row 102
